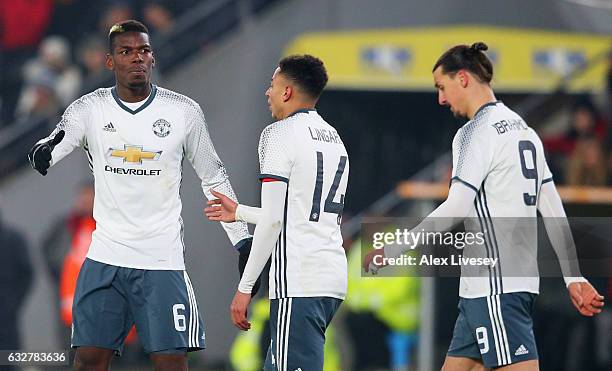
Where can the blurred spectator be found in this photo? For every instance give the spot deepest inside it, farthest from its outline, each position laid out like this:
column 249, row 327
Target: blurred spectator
column 608, row 107
column 64, row 249
column 117, row 11
column 158, row 17
column 587, row 164
column 53, row 81
column 54, row 54
column 91, row 57
column 608, row 101
column 15, row 281
column 38, row 98
column 22, row 25
column 585, row 123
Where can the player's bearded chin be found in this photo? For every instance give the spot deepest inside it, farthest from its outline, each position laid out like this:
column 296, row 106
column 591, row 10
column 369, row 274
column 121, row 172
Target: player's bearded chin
column 456, row 113
column 137, row 84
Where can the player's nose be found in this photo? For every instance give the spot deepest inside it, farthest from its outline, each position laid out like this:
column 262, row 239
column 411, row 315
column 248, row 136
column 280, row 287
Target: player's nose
column 441, row 99
column 138, row 57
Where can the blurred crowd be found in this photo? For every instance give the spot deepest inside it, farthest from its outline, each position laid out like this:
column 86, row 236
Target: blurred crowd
column 48, row 48
column 580, row 154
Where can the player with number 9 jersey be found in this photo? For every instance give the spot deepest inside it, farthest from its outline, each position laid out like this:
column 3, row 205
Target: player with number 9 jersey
column 501, row 159
column 499, row 182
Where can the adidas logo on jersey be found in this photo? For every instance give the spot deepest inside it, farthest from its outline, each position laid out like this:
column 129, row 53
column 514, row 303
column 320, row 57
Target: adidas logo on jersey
column 109, row 128
column 521, row 351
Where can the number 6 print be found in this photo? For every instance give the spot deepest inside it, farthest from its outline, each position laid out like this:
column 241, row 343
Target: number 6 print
column 179, row 319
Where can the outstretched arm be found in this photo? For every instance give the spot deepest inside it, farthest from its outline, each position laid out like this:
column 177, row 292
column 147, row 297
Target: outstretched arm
column 224, row 209
column 584, row 296
column 453, row 210
column 68, row 134
column 264, row 239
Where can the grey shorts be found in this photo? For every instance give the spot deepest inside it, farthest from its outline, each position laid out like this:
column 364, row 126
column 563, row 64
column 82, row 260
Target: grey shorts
column 109, row 300
column 497, row 329
column 297, row 328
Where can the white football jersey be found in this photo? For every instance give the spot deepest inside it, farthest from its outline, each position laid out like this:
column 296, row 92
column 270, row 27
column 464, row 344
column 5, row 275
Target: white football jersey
column 502, row 159
column 307, row 153
column 136, row 158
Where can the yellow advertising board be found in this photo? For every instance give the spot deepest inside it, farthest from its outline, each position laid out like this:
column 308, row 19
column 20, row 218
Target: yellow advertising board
column 524, row 60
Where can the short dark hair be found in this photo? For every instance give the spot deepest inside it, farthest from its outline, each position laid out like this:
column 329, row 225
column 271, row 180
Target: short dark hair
column 470, row 58
column 306, row 71
column 123, row 27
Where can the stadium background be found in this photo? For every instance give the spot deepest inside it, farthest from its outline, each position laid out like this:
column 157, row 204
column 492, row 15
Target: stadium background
column 550, row 57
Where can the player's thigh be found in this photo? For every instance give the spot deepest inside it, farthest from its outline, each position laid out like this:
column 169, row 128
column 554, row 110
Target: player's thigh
column 531, row 365
column 92, row 358
column 502, row 328
column 100, row 315
column 298, row 332
column 467, row 345
column 452, row 363
column 169, row 362
column 166, row 311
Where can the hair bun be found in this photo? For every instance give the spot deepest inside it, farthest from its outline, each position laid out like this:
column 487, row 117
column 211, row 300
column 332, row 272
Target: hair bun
column 479, row 46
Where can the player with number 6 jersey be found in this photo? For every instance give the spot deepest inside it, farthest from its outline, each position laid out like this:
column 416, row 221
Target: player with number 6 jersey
column 136, row 136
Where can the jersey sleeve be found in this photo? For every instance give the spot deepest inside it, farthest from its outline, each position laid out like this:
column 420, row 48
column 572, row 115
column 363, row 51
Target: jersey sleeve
column 275, row 153
column 472, row 156
column 74, row 123
column 547, row 176
column 202, row 155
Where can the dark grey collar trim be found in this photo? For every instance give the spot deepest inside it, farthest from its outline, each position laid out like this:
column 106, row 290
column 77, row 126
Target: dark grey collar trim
column 143, row 106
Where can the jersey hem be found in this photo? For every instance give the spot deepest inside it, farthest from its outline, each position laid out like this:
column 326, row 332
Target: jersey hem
column 512, row 291
column 135, row 266
column 326, row 295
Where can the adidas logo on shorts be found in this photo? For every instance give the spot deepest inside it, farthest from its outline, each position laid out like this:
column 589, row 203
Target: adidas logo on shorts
column 521, row 351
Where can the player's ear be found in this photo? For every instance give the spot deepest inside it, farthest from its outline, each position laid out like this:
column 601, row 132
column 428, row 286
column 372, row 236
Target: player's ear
column 109, row 62
column 287, row 93
column 464, row 78
column 153, row 62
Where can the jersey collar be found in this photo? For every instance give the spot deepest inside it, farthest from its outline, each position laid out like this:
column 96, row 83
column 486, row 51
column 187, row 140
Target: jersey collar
column 485, row 106
column 303, row 110
column 143, row 106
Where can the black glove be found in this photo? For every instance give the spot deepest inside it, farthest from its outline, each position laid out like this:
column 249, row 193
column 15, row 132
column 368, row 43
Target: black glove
column 40, row 155
column 243, row 257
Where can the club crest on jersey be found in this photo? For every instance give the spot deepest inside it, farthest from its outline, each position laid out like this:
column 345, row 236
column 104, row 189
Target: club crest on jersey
column 161, row 128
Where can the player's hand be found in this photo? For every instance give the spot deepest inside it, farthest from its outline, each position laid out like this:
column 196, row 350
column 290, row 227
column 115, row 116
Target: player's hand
column 244, row 251
column 222, row 209
column 238, row 310
column 585, row 298
column 368, row 261
column 40, row 154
